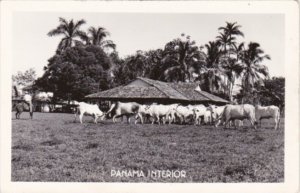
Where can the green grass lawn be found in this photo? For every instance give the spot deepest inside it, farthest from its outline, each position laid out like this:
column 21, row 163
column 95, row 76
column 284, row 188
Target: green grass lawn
column 51, row 147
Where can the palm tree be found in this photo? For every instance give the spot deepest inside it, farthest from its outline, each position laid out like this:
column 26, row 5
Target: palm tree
column 70, row 30
column 224, row 40
column 228, row 35
column 227, row 38
column 183, row 59
column 96, row 36
column 253, row 69
column 211, row 73
column 233, row 70
column 232, row 29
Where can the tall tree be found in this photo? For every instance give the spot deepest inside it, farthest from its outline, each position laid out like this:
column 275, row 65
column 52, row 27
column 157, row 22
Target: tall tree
column 183, row 59
column 97, row 37
column 70, row 30
column 252, row 57
column 211, row 73
column 230, row 58
column 232, row 29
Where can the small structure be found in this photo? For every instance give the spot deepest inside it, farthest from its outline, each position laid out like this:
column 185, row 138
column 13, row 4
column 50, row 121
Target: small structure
column 147, row 91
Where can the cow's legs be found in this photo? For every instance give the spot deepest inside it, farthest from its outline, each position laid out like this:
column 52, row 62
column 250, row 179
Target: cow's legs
column 158, row 119
column 276, row 122
column 128, row 119
column 153, row 119
column 114, row 118
column 95, row 118
column 226, row 123
column 252, row 122
column 164, row 120
column 75, row 115
column 17, row 115
column 197, row 121
column 80, row 117
column 136, row 119
column 181, row 119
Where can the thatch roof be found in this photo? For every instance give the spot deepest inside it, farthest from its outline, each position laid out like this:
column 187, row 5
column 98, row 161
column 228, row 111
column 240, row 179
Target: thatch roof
column 186, row 92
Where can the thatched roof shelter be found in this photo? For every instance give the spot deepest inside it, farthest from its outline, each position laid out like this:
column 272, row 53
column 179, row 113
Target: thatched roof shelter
column 146, row 90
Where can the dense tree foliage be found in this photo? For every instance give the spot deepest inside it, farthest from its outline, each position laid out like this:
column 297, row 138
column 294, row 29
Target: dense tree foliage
column 272, row 92
column 78, row 71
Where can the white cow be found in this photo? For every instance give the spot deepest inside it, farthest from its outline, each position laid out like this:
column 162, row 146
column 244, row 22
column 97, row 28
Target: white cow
column 165, row 112
column 207, row 118
column 268, row 112
column 217, row 111
column 238, row 112
column 183, row 112
column 88, row 109
column 199, row 111
column 120, row 109
column 143, row 111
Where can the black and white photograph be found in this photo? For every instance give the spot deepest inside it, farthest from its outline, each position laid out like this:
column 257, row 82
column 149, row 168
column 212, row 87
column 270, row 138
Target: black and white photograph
column 150, row 95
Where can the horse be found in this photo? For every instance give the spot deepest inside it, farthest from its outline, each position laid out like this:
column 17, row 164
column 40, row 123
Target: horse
column 23, row 106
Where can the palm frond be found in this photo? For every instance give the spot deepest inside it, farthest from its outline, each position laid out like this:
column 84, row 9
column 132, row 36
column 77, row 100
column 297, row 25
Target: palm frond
column 109, row 44
column 63, row 21
column 79, row 23
column 54, row 32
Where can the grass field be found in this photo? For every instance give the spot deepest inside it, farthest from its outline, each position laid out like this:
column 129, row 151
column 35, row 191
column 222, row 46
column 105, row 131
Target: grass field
column 51, row 147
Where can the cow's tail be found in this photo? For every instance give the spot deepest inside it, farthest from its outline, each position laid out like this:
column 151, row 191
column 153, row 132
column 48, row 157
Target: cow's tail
column 112, row 109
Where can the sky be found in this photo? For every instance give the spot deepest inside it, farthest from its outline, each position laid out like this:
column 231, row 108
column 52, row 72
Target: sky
column 143, row 31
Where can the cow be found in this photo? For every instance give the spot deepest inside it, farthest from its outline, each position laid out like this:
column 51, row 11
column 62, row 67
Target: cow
column 207, row 118
column 216, row 111
column 199, row 112
column 165, row 112
column 268, row 112
column 238, row 112
column 88, row 109
column 183, row 112
column 120, row 109
column 143, row 111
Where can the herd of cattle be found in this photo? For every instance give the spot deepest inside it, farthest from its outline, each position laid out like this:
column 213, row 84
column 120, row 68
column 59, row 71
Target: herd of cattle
column 177, row 113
